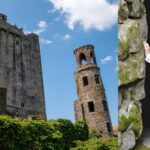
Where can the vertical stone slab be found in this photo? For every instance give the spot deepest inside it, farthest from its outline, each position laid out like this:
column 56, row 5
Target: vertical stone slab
column 132, row 33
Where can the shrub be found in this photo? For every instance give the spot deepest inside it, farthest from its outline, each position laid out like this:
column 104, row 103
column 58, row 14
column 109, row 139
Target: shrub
column 81, row 131
column 97, row 144
column 37, row 134
column 16, row 134
column 94, row 134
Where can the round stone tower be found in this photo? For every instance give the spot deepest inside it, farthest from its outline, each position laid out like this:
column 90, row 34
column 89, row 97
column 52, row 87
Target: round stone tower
column 91, row 105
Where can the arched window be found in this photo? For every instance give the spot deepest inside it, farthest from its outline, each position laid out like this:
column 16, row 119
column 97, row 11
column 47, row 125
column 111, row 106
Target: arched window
column 83, row 60
column 93, row 60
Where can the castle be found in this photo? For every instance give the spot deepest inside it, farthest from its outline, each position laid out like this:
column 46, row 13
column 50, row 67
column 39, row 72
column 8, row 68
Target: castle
column 21, row 83
column 91, row 105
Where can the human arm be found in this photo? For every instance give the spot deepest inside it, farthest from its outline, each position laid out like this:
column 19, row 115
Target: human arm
column 147, row 51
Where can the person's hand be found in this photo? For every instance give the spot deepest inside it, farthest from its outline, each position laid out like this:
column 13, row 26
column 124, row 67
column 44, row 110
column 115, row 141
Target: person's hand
column 146, row 48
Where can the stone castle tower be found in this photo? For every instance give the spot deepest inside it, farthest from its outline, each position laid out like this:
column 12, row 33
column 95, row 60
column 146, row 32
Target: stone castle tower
column 91, row 105
column 21, row 83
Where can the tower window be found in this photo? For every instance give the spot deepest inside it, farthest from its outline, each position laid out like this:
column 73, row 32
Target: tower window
column 3, row 98
column 22, row 104
column 17, row 42
column 105, row 105
column 97, row 79
column 85, row 81
column 108, row 127
column 83, row 60
column 91, row 107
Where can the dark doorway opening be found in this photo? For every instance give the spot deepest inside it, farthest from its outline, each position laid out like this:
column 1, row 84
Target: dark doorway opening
column 3, row 96
column 146, row 101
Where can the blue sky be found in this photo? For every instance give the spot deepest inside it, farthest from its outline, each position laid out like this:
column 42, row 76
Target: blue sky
column 64, row 25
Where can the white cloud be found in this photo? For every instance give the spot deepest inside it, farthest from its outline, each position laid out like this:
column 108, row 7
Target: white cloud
column 66, row 37
column 27, row 32
column 56, row 35
column 90, row 14
column 106, row 59
column 51, row 10
column 57, row 19
column 42, row 25
column 45, row 41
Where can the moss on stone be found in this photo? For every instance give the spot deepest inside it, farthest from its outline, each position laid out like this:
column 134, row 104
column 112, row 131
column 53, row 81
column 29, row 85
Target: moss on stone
column 134, row 31
column 142, row 8
column 134, row 120
column 123, row 49
column 128, row 72
column 133, row 35
column 123, row 12
column 129, row 40
column 123, row 76
column 132, row 95
column 124, row 123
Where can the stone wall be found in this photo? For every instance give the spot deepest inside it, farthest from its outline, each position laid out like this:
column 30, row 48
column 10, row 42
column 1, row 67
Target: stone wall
column 132, row 32
column 99, row 119
column 20, row 71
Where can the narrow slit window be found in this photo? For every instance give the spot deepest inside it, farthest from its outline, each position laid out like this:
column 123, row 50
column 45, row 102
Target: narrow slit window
column 85, row 81
column 82, row 107
column 97, row 79
column 108, row 127
column 17, row 42
column 22, row 104
column 91, row 107
column 105, row 105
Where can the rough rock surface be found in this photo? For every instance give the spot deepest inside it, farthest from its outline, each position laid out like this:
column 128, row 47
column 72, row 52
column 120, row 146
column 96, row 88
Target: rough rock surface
column 127, row 140
column 132, row 33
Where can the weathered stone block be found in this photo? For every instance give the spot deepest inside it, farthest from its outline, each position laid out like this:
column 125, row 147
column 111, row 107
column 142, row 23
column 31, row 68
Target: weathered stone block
column 131, row 69
column 135, row 9
column 132, row 33
column 129, row 37
column 127, row 140
column 123, row 11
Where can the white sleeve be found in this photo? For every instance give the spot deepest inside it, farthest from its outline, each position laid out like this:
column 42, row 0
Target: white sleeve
column 147, row 58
